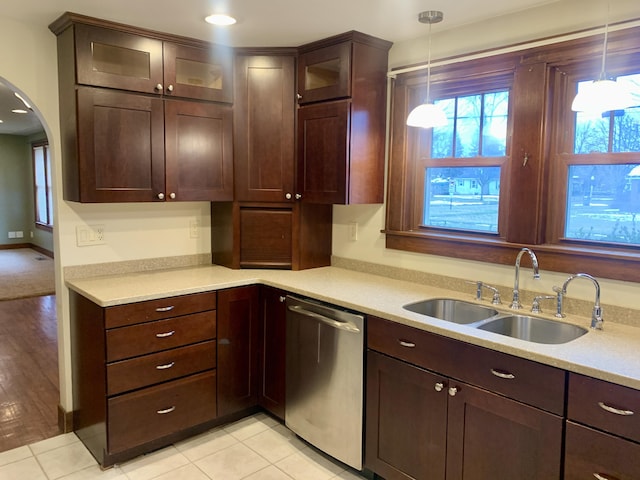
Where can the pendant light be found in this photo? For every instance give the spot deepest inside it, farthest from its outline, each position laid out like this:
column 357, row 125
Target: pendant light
column 428, row 115
column 603, row 94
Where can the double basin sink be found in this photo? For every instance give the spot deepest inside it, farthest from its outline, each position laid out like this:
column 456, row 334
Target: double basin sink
column 531, row 329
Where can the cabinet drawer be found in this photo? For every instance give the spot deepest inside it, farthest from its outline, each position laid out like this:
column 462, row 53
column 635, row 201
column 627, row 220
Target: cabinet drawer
column 127, row 342
column 604, row 405
column 529, row 382
column 152, row 413
column 589, row 452
column 148, row 370
column 132, row 313
column 412, row 345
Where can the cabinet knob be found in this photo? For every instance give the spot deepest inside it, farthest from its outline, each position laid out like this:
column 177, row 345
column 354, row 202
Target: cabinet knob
column 161, row 196
column 172, row 195
column 170, row 88
column 453, row 391
column 287, row 196
column 282, row 298
column 439, row 386
column 298, row 96
column 298, row 196
column 159, row 87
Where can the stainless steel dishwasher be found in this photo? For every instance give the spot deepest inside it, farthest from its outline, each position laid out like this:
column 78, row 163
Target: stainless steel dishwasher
column 324, row 401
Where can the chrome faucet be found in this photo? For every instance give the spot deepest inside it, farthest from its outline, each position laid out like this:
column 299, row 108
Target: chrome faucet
column 596, row 316
column 496, row 294
column 515, row 303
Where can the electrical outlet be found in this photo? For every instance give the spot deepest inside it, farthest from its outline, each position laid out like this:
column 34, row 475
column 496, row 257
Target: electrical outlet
column 194, row 228
column 20, row 234
column 353, row 231
column 12, row 234
column 87, row 235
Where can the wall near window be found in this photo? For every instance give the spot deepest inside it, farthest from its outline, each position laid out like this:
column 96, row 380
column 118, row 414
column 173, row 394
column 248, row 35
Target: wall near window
column 555, row 18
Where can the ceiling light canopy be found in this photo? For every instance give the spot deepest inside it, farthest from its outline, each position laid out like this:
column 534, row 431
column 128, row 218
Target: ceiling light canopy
column 220, row 20
column 428, row 115
column 602, row 95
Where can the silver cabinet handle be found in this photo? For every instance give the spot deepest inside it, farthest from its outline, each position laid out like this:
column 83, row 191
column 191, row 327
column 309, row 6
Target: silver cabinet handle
column 172, row 195
column 170, row 88
column 404, row 343
column 287, row 196
column 166, row 410
column 165, row 366
column 501, row 374
column 298, row 196
column 602, row 477
column 453, row 391
column 346, row 326
column 298, row 96
column 165, row 309
column 159, row 87
column 161, row 196
column 617, row 411
column 165, row 334
column 439, row 386
column 282, row 298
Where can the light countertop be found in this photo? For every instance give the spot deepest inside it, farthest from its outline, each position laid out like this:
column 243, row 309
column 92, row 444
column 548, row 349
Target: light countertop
column 612, row 354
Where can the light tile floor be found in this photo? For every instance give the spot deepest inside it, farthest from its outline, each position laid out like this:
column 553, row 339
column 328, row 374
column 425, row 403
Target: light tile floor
column 254, row 448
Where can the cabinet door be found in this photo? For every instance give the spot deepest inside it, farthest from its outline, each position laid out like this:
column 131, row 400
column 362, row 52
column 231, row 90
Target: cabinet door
column 264, row 128
column 490, row 436
column 120, row 147
column 266, row 237
column 238, row 327
column 591, row 454
column 199, row 152
column 323, row 142
column 273, row 329
column 406, row 420
column 325, row 73
column 108, row 58
column 202, row 73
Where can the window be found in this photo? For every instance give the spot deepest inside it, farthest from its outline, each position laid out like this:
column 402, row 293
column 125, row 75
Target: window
column 42, row 185
column 516, row 167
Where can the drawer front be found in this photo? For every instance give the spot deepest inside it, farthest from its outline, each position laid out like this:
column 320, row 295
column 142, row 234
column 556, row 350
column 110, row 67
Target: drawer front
column 132, row 313
column 136, row 340
column 410, row 344
column 139, row 372
column 604, row 405
column 589, row 453
column 140, row 417
column 529, row 382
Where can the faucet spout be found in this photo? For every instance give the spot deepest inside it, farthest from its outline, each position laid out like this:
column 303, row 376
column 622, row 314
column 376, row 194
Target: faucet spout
column 515, row 303
column 596, row 317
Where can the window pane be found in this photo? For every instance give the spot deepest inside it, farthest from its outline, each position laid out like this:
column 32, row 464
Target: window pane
column 603, row 203
column 494, row 128
column 626, row 123
column 462, row 198
column 442, row 143
column 468, row 126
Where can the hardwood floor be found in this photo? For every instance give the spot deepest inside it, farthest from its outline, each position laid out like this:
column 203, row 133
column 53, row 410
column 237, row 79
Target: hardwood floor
column 29, row 391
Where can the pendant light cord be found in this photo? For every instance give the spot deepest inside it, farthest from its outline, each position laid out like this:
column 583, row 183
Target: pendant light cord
column 603, row 75
column 429, row 66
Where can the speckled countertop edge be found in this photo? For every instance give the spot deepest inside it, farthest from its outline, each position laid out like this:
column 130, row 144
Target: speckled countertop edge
column 611, row 354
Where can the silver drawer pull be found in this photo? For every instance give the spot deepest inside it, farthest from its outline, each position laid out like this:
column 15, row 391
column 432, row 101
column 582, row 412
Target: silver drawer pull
column 165, row 309
column 602, row 477
column 407, row 344
column 165, row 366
column 617, row 411
column 165, row 334
column 166, row 410
column 502, row 374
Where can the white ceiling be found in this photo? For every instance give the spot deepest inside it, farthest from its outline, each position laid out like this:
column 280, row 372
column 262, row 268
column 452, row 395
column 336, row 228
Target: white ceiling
column 267, row 22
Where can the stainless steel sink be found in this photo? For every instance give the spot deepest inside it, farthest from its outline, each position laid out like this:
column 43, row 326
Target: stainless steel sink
column 532, row 329
column 451, row 310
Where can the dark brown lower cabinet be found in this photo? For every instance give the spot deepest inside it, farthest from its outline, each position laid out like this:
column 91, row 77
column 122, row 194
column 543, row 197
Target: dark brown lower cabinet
column 238, row 334
column 272, row 354
column 592, row 454
column 421, row 425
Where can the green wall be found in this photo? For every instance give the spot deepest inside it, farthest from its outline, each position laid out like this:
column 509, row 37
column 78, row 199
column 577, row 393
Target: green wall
column 16, row 192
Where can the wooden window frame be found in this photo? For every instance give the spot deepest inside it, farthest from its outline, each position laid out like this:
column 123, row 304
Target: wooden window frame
column 48, row 181
column 531, row 191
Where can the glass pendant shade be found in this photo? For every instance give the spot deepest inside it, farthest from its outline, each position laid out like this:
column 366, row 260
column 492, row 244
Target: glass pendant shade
column 427, row 115
column 601, row 96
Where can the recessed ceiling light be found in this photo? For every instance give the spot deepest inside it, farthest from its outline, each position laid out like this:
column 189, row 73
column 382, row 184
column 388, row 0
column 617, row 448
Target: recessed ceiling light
column 220, row 20
column 19, row 110
column 26, row 104
column 1, row 121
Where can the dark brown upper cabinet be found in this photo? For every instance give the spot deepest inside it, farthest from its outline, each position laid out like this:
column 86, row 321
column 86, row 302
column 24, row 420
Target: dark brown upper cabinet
column 342, row 119
column 131, row 61
column 125, row 137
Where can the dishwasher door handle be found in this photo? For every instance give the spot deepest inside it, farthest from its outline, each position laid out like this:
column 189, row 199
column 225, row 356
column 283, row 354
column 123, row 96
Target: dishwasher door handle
column 346, row 326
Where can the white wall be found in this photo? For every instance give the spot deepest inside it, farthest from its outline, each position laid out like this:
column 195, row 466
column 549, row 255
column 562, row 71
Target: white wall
column 554, row 19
